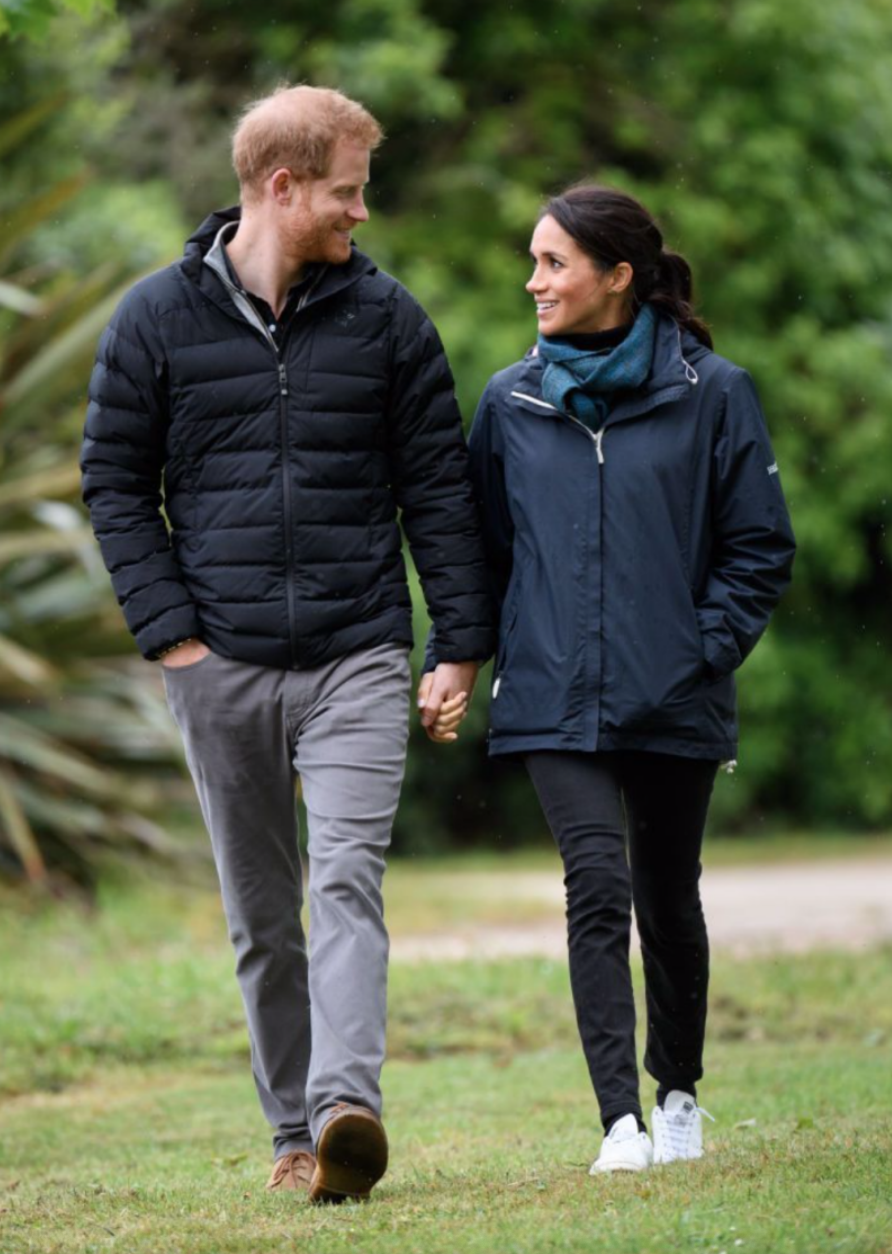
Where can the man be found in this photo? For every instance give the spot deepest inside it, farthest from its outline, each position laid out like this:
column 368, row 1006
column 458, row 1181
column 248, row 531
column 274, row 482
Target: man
column 294, row 399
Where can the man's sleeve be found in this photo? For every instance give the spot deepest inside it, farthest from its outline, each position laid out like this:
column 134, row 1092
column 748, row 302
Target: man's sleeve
column 429, row 466
column 753, row 538
column 122, row 462
column 487, row 469
column 486, row 454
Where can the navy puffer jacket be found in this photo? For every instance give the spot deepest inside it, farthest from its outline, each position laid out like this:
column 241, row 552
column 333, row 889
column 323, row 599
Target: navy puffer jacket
column 283, row 472
column 636, row 566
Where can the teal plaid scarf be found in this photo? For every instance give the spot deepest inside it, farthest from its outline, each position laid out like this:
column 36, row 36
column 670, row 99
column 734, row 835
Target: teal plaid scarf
column 578, row 381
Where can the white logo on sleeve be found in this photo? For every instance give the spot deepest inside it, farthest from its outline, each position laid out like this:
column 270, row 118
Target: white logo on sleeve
column 772, row 469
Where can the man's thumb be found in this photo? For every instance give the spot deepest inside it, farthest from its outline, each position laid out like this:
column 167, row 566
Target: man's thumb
column 424, row 688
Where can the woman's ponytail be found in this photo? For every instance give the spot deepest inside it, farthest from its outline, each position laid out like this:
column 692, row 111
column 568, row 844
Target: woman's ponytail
column 672, row 291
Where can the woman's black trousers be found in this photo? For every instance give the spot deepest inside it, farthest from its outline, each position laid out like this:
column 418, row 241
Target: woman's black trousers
column 596, row 804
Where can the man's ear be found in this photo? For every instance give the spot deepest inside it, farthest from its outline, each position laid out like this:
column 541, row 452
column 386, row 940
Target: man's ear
column 282, row 184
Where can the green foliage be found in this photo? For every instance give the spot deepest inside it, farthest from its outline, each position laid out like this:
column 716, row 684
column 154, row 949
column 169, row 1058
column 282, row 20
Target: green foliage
column 373, row 60
column 777, row 192
column 758, row 134
column 69, row 722
column 32, row 19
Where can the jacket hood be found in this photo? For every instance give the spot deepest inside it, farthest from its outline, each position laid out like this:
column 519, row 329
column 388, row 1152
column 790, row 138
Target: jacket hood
column 201, row 239
column 675, row 352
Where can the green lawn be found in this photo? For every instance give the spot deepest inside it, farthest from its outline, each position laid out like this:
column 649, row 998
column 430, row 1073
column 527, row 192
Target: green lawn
column 129, row 1123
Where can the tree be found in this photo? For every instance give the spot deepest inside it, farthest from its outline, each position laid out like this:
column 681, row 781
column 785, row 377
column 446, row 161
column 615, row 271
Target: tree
column 32, row 19
column 70, row 720
column 758, row 135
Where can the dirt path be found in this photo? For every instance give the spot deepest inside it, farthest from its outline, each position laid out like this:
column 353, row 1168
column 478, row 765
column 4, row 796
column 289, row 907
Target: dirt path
column 757, row 909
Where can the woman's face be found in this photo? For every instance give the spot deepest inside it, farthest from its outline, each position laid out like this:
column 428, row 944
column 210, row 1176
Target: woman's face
column 572, row 295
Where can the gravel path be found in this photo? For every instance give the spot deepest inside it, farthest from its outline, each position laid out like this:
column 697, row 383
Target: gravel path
column 753, row 909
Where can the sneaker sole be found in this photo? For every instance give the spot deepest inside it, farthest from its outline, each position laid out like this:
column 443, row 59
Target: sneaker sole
column 351, row 1158
column 622, row 1165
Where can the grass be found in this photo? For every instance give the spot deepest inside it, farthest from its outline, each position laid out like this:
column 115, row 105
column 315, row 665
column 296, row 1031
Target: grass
column 128, row 1119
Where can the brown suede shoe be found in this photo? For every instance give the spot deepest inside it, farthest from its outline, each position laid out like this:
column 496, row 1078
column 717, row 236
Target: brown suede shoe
column 351, row 1156
column 293, row 1171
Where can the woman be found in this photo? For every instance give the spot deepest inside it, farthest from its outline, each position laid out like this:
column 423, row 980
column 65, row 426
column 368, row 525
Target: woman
column 638, row 540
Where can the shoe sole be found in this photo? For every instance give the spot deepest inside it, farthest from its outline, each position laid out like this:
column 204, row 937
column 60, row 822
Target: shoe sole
column 351, row 1158
column 606, row 1171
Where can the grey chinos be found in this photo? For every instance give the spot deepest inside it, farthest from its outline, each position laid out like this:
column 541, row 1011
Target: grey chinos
column 316, row 1025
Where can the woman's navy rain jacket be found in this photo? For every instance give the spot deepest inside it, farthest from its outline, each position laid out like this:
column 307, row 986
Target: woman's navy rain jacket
column 635, row 566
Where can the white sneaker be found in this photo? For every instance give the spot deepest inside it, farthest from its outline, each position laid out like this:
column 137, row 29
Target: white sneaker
column 678, row 1128
column 624, row 1148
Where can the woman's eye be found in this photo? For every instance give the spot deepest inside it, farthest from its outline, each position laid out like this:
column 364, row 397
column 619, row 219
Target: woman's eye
column 556, row 265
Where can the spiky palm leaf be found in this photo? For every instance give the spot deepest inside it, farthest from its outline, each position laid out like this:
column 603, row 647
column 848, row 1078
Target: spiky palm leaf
column 73, row 723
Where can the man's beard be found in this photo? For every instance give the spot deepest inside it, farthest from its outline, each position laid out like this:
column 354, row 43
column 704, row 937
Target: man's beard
column 311, row 240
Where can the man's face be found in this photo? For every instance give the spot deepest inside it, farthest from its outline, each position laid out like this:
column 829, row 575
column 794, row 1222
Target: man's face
column 324, row 212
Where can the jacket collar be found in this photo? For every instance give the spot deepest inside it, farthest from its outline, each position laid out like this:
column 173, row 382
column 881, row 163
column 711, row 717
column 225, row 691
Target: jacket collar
column 673, row 376
column 204, row 265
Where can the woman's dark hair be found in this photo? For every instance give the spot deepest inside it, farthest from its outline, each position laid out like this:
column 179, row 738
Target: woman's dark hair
column 611, row 227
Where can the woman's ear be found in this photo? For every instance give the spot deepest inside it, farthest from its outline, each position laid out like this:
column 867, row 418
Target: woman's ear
column 623, row 274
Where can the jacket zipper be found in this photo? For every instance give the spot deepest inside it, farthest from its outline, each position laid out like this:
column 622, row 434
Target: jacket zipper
column 597, row 437
column 290, row 574
column 238, row 296
column 290, row 591
column 286, row 492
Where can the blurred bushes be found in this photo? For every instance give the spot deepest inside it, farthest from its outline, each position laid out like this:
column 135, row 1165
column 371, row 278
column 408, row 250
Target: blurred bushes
column 758, row 134
column 74, row 728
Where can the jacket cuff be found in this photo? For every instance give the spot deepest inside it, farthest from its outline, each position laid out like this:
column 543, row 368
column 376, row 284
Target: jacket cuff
column 167, row 631
column 430, row 653
column 469, row 646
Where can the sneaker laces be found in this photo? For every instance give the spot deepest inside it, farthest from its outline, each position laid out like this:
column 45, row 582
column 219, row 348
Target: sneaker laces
column 679, row 1126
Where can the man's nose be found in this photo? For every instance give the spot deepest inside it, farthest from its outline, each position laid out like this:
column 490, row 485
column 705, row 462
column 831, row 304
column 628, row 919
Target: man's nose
column 358, row 210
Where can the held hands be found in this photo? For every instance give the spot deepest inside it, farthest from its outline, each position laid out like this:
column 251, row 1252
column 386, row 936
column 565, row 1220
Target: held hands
column 185, row 654
column 443, row 697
